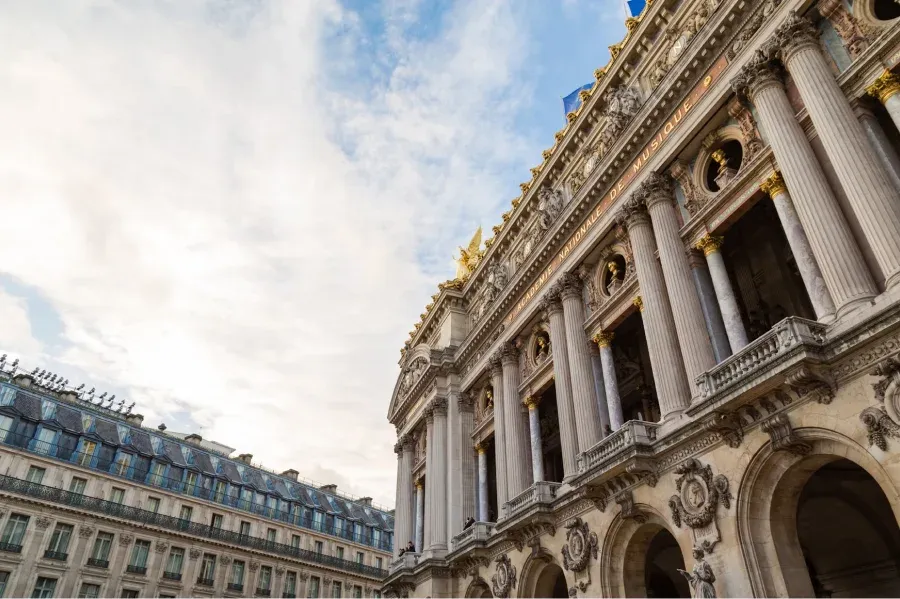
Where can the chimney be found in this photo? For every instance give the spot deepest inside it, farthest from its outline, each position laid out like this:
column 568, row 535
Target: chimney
column 135, row 419
column 291, row 474
column 329, row 488
column 245, row 457
column 366, row 501
column 194, row 438
column 23, row 380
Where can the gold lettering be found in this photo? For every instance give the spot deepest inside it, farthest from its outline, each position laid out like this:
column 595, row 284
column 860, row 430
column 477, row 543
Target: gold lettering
column 668, row 128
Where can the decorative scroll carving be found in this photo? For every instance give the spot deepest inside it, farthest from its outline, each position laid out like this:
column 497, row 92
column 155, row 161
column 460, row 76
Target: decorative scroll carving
column 882, row 422
column 43, row 522
column 752, row 26
column 125, row 539
column 812, row 382
column 550, row 204
column 760, row 70
column 504, row 579
column 782, row 435
column 161, row 547
column 226, row 560
column 86, row 532
column 625, row 499
column 727, row 425
column 794, row 33
column 195, row 553
column 581, row 545
column 698, row 498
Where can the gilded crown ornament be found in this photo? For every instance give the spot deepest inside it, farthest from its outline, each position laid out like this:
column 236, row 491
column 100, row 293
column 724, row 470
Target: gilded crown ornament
column 710, row 244
column 773, row 185
column 885, row 86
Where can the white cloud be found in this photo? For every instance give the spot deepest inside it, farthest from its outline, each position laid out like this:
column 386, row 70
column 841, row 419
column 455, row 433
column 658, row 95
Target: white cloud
column 229, row 226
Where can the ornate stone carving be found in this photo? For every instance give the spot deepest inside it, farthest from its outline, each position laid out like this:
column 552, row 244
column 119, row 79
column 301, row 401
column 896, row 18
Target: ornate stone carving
column 701, row 577
column 161, row 546
column 699, row 496
column 86, row 532
column 628, row 510
column 226, row 560
column 694, row 198
column 879, row 427
column 780, row 431
column 581, row 545
column 279, row 570
column 644, row 470
column 550, row 204
column 43, row 522
column 304, row 576
column 125, row 539
column 845, row 25
column 795, row 33
column 439, row 405
column 751, row 27
column 504, row 578
column 727, row 425
column 254, row 565
column 812, row 382
column 412, row 374
column 195, row 553
column 633, row 212
column 882, row 422
column 655, row 188
column 759, row 72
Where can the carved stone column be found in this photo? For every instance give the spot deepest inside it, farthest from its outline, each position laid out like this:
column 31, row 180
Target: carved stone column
column 696, row 349
column 880, row 142
column 499, row 432
column 843, row 268
column 518, row 477
column 873, row 200
column 659, row 325
column 610, row 381
column 887, row 90
column 534, row 426
column 600, row 389
column 463, row 462
column 587, row 416
column 420, row 515
column 438, row 502
column 568, row 436
column 403, row 520
column 715, row 326
column 483, row 515
column 818, row 293
column 728, row 306
column 430, row 475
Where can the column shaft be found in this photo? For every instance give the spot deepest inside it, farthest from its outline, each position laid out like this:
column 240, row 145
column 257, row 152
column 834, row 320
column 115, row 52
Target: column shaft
column 611, row 383
column 518, row 478
column 819, row 296
column 568, row 436
column 438, row 502
column 881, row 144
column 866, row 184
column 659, row 326
column 534, row 426
column 499, row 434
column 715, row 326
column 403, row 520
column 728, row 305
column 430, row 475
column 600, row 390
column 696, row 349
column 587, row 415
column 483, row 515
column 843, row 268
column 420, row 516
column 887, row 89
column 464, row 463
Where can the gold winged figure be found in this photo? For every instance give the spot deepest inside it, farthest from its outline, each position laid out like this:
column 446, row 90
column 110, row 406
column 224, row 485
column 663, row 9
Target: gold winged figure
column 469, row 257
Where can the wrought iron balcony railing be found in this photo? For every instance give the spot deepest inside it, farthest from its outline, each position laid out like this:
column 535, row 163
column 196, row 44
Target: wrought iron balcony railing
column 97, row 563
column 263, row 592
column 19, row 486
column 172, row 575
column 205, row 582
column 141, row 570
column 235, row 587
column 56, row 555
column 10, row 547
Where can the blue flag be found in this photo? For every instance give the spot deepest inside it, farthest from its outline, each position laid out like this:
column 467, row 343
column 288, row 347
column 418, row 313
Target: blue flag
column 572, row 101
column 636, row 7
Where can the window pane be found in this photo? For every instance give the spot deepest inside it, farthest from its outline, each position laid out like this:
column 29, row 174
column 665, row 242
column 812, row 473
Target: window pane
column 117, row 495
column 66, row 446
column 4, row 579
column 59, row 541
column 237, row 573
column 313, row 587
column 139, row 554
column 153, row 504
column 208, row 569
column 14, row 530
column 77, row 485
column 44, row 587
column 86, row 454
column 123, row 461
column 44, row 442
column 35, row 475
column 102, row 546
column 176, row 560
column 265, row 577
column 89, row 590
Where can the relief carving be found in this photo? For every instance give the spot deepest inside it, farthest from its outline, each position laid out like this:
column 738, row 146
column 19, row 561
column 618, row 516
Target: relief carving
column 701, row 577
column 412, row 374
column 581, row 545
column 504, row 579
column 780, row 431
column 882, row 422
column 697, row 500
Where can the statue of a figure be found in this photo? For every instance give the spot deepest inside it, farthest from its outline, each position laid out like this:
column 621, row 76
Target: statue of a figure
column 489, row 400
column 725, row 173
column 543, row 348
column 469, row 257
column 615, row 280
column 701, row 577
column 549, row 206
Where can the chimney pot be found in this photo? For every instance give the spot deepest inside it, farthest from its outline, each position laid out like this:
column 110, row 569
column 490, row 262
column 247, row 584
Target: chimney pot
column 291, row 474
column 245, row 457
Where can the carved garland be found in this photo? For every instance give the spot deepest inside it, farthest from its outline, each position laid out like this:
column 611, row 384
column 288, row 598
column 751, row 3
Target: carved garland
column 504, row 579
column 580, row 547
column 697, row 501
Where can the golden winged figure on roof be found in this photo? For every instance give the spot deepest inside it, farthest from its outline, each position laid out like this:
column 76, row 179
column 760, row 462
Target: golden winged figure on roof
column 469, row 257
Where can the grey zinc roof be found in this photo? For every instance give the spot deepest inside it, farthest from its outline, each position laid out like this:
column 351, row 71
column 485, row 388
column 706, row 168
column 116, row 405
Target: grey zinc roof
column 28, row 405
column 254, row 477
column 202, row 461
column 69, row 418
column 230, row 470
column 107, row 431
column 173, row 452
column 141, row 442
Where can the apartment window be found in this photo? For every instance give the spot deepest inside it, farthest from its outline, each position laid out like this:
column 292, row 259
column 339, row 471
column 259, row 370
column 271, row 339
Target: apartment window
column 176, row 561
column 186, row 513
column 35, row 475
column 360, row 557
column 265, row 578
column 157, row 472
column 117, row 495
column 14, row 532
column 153, row 504
column 87, row 452
column 335, row 589
column 102, row 547
column 270, row 535
column 313, row 587
column 318, row 520
column 191, row 482
column 290, row 584
column 237, row 576
column 123, row 461
column 44, row 587
column 220, row 491
column 77, row 485
column 378, row 563
column 59, row 542
column 208, row 568
column 89, row 590
column 217, row 520
column 319, row 546
column 339, row 552
column 245, row 528
column 130, row 593
column 139, row 554
column 295, row 541
column 376, row 537
column 357, row 591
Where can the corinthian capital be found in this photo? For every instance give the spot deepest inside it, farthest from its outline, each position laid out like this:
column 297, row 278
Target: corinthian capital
column 550, row 303
column 885, row 86
column 656, row 188
column 793, row 35
column 759, row 73
column 439, row 405
column 509, row 353
column 496, row 363
column 571, row 285
column 633, row 212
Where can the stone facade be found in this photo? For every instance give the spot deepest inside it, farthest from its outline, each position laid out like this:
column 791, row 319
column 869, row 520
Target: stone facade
column 92, row 504
column 684, row 380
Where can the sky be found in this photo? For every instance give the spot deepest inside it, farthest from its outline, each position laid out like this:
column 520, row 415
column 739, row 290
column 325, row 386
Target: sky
column 232, row 212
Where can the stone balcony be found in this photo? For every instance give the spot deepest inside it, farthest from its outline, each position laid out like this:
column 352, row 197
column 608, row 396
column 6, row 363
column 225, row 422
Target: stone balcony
column 540, row 493
column 478, row 533
column 407, row 561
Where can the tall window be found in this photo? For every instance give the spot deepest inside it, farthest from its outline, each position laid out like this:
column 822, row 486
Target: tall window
column 220, row 491
column 335, row 589
column 66, row 445
column 175, row 561
column 186, row 513
column 378, row 562
column 265, row 578
column 44, row 441
column 339, row 552
column 338, row 526
column 357, row 591
column 208, row 567
column 44, row 587
column 376, row 537
column 123, row 461
column 157, row 472
column 4, row 579
column 153, row 504
column 246, row 498
column 290, row 584
column 295, row 541
column 89, row 590
column 77, row 485
column 14, row 531
column 270, row 535
column 59, row 541
column 245, row 528
column 318, row 520
column 139, row 555
column 191, row 482
column 117, row 495
column 102, row 547
column 216, row 521
column 360, row 557
column 130, row 593
column 313, row 587
column 86, row 454
column 319, row 546
column 35, row 475
column 237, row 574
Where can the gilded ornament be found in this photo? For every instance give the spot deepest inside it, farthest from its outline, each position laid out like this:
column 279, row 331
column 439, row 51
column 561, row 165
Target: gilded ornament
column 615, row 49
column 885, row 86
column 584, row 95
column 531, row 402
column 547, row 154
column 710, row 244
column 572, row 116
column 604, row 338
column 599, row 74
column 469, row 257
column 639, row 302
column 525, row 187
column 536, row 171
column 496, row 229
column 516, row 201
column 774, row 185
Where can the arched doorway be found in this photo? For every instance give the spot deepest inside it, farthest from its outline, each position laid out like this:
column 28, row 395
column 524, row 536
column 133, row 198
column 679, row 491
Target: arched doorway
column 848, row 535
column 478, row 588
column 551, row 582
column 661, row 565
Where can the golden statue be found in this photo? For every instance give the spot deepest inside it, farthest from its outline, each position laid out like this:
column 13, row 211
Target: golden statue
column 719, row 157
column 469, row 257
